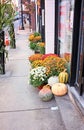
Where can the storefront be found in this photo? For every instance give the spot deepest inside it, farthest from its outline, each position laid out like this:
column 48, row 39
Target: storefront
column 69, row 38
column 62, row 29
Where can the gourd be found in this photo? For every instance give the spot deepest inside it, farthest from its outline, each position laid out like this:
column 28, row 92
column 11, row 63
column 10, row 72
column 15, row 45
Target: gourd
column 52, row 80
column 47, row 86
column 45, row 94
column 63, row 77
column 59, row 89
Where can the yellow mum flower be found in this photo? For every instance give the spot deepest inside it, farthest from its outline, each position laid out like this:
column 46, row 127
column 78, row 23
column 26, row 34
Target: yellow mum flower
column 37, row 63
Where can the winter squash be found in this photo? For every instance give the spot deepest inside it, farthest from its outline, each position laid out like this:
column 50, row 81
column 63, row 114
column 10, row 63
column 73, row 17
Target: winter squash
column 59, row 89
column 45, row 94
column 47, row 86
column 63, row 77
column 52, row 80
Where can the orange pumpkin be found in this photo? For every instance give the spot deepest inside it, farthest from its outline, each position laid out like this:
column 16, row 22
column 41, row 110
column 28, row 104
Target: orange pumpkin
column 47, row 86
column 59, row 89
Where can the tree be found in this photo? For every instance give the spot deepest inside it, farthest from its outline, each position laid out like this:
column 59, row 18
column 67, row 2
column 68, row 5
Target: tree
column 6, row 13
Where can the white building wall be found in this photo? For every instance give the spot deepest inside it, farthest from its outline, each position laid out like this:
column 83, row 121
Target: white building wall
column 49, row 25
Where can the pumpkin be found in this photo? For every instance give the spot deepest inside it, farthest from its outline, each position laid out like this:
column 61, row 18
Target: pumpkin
column 47, row 86
column 59, row 89
column 45, row 94
column 52, row 80
column 63, row 77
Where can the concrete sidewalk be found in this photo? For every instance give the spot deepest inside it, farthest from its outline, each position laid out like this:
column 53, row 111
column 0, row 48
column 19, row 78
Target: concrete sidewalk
column 20, row 105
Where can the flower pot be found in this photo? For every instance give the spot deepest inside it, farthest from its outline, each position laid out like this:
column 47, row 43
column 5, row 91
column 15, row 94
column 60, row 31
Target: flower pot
column 37, row 51
column 40, row 87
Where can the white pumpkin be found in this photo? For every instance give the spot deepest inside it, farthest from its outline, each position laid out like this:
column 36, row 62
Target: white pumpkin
column 52, row 80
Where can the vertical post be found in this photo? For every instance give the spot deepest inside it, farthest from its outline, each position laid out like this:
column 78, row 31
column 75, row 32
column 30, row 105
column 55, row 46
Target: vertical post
column 33, row 16
column 43, row 20
column 29, row 1
column 2, row 56
column 22, row 16
column 57, row 42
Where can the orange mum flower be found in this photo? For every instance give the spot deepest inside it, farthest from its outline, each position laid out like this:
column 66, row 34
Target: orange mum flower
column 35, row 57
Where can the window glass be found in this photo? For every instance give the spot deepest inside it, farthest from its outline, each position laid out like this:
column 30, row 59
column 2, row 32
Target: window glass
column 65, row 29
column 80, row 58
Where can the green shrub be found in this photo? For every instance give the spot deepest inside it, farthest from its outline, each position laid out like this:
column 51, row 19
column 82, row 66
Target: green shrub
column 32, row 45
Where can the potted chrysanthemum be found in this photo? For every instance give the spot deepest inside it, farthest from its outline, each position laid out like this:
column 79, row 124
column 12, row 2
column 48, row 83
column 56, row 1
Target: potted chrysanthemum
column 41, row 47
column 38, row 76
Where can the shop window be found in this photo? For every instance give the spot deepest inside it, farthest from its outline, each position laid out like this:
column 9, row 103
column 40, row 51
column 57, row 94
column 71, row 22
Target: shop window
column 69, row 38
column 65, row 28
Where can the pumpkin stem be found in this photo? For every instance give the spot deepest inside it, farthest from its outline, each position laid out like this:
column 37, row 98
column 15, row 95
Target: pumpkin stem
column 65, row 70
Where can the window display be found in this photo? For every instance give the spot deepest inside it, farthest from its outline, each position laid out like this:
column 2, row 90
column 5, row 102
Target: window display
column 65, row 29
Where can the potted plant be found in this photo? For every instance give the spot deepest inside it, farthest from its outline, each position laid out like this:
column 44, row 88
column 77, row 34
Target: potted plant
column 6, row 18
column 34, row 39
column 38, row 76
column 54, row 65
column 41, row 47
column 35, row 57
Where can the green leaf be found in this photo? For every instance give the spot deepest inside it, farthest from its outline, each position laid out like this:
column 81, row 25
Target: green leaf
column 6, row 14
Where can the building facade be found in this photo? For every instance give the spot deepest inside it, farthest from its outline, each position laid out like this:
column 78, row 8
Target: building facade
column 69, row 42
column 62, row 26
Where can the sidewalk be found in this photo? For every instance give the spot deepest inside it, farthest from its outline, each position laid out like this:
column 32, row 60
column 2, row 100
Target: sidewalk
column 20, row 105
